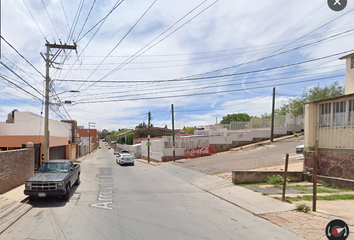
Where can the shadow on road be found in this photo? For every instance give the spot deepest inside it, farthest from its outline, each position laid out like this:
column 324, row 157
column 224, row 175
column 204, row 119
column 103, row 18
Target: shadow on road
column 46, row 202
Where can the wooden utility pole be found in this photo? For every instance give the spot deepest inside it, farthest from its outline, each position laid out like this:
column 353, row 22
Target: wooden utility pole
column 314, row 178
column 285, row 176
column 149, row 137
column 173, row 133
column 47, row 83
column 273, row 109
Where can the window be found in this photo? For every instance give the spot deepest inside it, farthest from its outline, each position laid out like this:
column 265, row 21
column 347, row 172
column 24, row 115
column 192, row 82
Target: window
column 351, row 112
column 339, row 113
column 325, row 115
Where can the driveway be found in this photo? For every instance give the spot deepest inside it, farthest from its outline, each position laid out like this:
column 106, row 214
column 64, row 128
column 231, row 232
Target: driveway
column 250, row 158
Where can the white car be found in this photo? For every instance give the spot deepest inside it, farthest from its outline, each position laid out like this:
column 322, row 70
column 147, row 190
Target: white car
column 124, row 158
column 300, row 149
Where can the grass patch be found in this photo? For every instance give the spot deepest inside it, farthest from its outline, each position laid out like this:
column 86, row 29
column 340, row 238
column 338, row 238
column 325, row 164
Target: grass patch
column 301, row 188
column 325, row 198
column 338, row 197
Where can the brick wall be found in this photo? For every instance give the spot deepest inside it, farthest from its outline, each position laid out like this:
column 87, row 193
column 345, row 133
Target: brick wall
column 16, row 167
column 333, row 164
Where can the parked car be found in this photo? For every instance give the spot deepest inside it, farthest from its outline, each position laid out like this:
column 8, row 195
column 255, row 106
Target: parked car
column 53, row 178
column 300, row 149
column 116, row 152
column 124, row 158
column 109, row 147
column 124, row 151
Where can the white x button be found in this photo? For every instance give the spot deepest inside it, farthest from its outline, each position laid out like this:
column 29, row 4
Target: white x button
column 337, row 5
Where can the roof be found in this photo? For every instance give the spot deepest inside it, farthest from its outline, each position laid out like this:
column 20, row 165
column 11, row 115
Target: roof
column 347, row 56
column 334, row 98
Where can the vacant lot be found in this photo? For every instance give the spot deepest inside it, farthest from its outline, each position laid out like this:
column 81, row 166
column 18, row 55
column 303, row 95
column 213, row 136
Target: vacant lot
column 251, row 158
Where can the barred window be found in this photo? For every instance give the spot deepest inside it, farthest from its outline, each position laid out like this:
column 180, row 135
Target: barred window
column 339, row 113
column 351, row 112
column 325, row 115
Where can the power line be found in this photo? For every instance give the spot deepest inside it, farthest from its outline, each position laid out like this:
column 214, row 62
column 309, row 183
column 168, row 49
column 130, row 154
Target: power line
column 120, row 41
column 218, row 76
column 134, row 57
column 207, row 93
column 50, row 19
column 12, row 83
column 22, row 56
column 34, row 19
column 20, row 78
column 88, row 15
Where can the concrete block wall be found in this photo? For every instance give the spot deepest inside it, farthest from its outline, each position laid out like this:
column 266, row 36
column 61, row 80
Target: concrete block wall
column 16, row 167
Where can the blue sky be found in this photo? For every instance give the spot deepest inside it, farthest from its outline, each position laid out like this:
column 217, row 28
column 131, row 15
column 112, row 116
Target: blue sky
column 209, row 58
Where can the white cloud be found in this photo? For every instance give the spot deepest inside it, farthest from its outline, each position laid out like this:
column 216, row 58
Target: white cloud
column 227, row 34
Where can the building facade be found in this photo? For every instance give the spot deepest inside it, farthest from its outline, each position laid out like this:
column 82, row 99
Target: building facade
column 23, row 127
column 330, row 124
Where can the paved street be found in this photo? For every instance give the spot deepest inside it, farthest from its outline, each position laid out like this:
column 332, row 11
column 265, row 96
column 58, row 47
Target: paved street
column 256, row 157
column 138, row 202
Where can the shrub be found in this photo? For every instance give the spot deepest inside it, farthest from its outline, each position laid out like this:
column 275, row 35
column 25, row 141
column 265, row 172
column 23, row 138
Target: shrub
column 275, row 180
column 302, row 207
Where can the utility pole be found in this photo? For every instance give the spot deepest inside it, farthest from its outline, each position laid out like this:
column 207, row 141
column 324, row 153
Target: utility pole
column 149, row 117
column 173, row 134
column 47, row 83
column 273, row 109
column 89, row 132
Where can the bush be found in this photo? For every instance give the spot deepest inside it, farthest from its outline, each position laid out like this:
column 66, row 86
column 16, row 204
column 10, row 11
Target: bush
column 275, row 180
column 302, row 207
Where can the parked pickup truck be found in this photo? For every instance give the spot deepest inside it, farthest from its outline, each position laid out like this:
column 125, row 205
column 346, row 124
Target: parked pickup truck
column 53, row 178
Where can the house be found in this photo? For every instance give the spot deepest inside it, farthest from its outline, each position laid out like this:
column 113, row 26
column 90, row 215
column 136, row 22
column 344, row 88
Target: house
column 330, row 123
column 23, row 127
column 87, row 137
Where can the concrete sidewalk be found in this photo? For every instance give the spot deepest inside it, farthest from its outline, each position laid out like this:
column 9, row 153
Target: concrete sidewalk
column 308, row 225
column 224, row 189
column 11, row 208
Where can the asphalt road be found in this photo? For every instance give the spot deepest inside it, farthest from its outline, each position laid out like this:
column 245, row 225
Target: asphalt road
column 250, row 158
column 138, row 202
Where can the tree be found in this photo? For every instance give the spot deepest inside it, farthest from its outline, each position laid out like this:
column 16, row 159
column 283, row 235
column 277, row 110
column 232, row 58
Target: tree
column 236, row 117
column 103, row 134
column 188, row 130
column 296, row 105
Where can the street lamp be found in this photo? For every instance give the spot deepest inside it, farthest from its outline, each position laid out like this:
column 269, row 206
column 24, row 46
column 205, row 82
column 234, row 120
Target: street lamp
column 72, row 91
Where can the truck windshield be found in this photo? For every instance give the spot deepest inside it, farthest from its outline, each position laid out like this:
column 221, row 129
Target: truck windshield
column 48, row 167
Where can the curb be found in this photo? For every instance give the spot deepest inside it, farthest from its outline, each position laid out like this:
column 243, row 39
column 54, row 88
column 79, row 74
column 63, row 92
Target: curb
column 264, row 142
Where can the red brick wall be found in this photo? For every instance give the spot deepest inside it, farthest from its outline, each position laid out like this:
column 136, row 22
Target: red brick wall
column 333, row 164
column 84, row 133
column 16, row 167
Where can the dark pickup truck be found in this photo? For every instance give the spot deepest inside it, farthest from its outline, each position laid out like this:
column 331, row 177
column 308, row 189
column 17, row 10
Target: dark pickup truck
column 53, row 178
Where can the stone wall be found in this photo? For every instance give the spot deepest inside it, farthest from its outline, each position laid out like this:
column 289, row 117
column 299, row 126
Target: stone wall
column 333, row 164
column 16, row 167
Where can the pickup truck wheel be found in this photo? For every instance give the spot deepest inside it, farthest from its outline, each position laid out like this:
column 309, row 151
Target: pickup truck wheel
column 77, row 180
column 67, row 194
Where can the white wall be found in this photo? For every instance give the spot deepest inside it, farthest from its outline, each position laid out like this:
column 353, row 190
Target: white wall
column 29, row 124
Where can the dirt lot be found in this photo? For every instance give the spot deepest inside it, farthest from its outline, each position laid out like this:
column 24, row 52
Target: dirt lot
column 251, row 158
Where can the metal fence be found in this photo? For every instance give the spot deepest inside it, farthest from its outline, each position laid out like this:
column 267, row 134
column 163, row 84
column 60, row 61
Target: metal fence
column 279, row 121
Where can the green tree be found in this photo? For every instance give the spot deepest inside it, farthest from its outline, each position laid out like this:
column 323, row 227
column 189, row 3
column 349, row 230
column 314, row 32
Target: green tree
column 103, row 134
column 189, row 130
column 296, row 105
column 236, row 117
